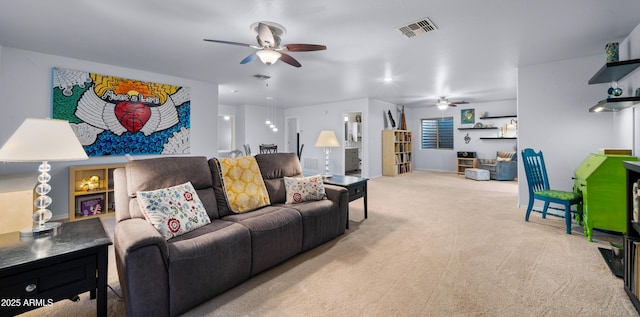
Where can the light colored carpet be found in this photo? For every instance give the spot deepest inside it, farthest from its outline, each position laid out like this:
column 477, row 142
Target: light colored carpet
column 435, row 244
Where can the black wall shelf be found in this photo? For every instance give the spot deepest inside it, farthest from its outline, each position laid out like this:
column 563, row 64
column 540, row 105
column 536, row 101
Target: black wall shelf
column 499, row 117
column 491, row 128
column 499, row 138
column 614, row 71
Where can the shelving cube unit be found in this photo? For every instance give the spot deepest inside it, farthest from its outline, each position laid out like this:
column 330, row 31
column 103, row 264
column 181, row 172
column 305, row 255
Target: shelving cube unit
column 465, row 162
column 396, row 152
column 84, row 198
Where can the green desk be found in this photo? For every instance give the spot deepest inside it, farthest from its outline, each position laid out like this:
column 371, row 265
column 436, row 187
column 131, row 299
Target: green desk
column 601, row 179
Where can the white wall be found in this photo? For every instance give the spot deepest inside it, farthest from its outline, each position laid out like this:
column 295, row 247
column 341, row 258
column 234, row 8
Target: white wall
column 553, row 103
column 446, row 160
column 315, row 118
column 624, row 120
column 25, row 83
column 255, row 130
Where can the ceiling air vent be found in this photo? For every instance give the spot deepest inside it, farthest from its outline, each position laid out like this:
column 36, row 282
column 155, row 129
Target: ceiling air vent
column 417, row 28
column 261, row 76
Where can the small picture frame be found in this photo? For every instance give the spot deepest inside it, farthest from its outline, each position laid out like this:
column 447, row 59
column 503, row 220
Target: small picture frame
column 467, row 116
column 90, row 205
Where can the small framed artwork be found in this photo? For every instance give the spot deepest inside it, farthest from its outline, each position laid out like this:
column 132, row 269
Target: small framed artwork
column 89, row 205
column 467, row 116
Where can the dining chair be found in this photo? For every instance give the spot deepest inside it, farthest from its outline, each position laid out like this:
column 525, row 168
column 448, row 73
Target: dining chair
column 538, row 184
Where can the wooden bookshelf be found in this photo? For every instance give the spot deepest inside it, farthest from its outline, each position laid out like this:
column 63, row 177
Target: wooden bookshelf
column 91, row 186
column 396, row 152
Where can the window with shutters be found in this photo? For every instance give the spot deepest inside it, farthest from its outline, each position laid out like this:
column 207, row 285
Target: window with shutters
column 437, row 133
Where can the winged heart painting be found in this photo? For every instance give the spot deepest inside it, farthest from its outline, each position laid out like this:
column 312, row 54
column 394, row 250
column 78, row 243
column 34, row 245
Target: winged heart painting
column 118, row 116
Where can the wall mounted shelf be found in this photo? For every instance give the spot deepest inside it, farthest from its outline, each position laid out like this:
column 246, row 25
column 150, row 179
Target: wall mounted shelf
column 491, row 128
column 614, row 104
column 499, row 117
column 614, row 71
column 498, row 138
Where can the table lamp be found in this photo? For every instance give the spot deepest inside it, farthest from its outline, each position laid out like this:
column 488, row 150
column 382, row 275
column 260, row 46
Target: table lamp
column 42, row 140
column 327, row 139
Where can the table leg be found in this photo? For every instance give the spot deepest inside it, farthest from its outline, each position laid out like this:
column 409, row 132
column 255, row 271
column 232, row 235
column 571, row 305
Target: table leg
column 365, row 200
column 101, row 301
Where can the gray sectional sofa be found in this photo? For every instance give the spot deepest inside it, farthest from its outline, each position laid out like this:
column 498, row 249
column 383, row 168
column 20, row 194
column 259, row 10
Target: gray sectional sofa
column 161, row 277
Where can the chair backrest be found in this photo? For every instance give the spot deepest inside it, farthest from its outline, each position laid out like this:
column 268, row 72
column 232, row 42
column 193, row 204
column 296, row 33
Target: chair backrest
column 247, row 149
column 535, row 169
column 236, row 153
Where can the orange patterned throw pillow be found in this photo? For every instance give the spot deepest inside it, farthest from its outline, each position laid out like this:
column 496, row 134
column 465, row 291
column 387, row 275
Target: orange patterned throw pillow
column 301, row 189
column 243, row 184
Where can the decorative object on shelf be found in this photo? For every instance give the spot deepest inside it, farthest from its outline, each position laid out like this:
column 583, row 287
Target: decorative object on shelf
column 478, row 125
column 467, row 139
column 90, row 205
column 42, row 140
column 467, row 116
column 484, row 114
column 91, row 183
column 403, row 120
column 117, row 116
column 612, row 50
column 359, row 117
column 393, row 122
column 614, row 90
column 328, row 139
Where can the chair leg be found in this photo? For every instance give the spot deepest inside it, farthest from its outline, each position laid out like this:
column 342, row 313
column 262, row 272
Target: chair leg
column 529, row 208
column 544, row 210
column 567, row 217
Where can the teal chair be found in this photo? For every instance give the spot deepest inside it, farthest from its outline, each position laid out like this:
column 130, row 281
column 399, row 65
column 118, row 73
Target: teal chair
column 538, row 183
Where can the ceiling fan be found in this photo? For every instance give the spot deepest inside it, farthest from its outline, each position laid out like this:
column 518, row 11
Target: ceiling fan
column 443, row 103
column 269, row 49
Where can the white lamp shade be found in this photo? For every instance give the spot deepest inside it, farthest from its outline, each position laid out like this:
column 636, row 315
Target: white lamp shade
column 268, row 56
column 327, row 138
column 38, row 140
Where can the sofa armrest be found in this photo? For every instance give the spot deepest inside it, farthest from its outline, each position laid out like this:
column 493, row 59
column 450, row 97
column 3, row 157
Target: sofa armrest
column 340, row 196
column 141, row 258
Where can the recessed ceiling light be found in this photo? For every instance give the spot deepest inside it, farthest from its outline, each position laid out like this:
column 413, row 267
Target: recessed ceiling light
column 234, row 91
column 388, row 79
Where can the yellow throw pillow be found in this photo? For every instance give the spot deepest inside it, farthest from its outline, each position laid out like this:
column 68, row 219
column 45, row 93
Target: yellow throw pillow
column 243, row 184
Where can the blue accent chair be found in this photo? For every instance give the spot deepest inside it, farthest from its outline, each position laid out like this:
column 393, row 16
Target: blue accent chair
column 503, row 168
column 538, row 183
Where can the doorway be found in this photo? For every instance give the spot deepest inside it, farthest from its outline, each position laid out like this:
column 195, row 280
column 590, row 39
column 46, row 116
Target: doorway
column 353, row 143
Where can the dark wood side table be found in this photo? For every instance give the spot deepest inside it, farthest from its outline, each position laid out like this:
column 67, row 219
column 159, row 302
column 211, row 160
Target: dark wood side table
column 38, row 272
column 356, row 186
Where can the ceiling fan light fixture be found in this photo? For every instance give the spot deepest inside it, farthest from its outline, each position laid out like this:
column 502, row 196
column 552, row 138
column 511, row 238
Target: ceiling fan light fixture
column 268, row 56
column 442, row 106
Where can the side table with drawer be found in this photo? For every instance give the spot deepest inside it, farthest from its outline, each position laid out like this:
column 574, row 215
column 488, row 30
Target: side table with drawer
column 357, row 187
column 37, row 272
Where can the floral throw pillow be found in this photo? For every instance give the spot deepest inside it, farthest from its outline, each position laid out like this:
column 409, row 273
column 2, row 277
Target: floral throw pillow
column 173, row 211
column 299, row 189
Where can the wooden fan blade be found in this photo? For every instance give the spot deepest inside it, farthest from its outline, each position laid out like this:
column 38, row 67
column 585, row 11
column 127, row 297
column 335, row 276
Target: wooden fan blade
column 304, row 47
column 265, row 35
column 452, row 105
column 289, row 60
column 249, row 58
column 228, row 42
column 459, row 103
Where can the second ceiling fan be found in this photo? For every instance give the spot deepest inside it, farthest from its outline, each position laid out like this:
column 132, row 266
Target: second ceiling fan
column 269, row 49
column 443, row 103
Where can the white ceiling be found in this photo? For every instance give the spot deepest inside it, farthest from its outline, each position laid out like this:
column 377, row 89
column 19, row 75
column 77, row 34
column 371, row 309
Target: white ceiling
column 473, row 56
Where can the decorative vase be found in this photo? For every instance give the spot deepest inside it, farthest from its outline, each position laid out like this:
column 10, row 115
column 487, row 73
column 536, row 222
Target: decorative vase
column 612, row 50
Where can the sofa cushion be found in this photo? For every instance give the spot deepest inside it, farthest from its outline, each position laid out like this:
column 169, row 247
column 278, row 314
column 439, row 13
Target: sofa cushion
column 173, row 211
column 207, row 261
column 321, row 222
column 274, row 167
column 301, row 189
column 242, row 184
column 276, row 235
column 163, row 172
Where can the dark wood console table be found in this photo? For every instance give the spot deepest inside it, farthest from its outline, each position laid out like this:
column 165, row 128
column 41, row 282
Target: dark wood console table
column 40, row 271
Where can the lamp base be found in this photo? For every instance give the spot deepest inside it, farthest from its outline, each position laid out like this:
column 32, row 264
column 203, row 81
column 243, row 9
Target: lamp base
column 37, row 231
